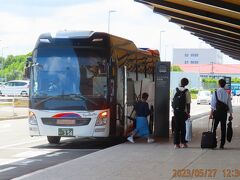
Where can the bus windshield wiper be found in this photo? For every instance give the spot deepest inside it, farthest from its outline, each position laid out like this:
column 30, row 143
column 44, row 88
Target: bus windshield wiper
column 66, row 95
column 45, row 100
column 82, row 97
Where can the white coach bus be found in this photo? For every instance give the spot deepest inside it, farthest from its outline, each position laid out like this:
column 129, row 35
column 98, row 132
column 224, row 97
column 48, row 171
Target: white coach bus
column 78, row 84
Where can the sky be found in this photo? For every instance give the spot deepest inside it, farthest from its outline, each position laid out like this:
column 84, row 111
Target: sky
column 21, row 22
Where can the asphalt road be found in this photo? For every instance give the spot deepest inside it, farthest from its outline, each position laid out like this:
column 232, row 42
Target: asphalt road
column 21, row 154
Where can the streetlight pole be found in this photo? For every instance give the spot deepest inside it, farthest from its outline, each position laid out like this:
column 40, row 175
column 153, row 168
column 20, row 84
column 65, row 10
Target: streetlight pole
column 161, row 42
column 1, row 59
column 166, row 52
column 200, row 44
column 3, row 49
column 109, row 15
column 212, row 68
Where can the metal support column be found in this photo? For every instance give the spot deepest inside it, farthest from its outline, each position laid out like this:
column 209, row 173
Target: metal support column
column 125, row 98
column 162, row 98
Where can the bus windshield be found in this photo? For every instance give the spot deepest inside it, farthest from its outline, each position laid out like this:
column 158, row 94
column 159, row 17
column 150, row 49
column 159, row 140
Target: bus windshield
column 69, row 78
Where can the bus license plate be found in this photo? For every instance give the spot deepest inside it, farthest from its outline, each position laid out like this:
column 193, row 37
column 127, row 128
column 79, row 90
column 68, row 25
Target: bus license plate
column 65, row 131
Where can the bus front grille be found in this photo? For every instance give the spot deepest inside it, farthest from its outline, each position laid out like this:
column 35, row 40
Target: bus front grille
column 66, row 121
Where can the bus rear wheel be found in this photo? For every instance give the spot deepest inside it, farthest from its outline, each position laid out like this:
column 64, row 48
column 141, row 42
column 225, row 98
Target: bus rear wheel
column 53, row 139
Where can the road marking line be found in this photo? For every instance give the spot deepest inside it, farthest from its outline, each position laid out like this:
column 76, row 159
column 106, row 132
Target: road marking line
column 200, row 118
column 5, row 126
column 55, row 154
column 26, row 162
column 22, row 143
column 7, row 169
column 29, row 154
column 6, row 130
column 9, row 161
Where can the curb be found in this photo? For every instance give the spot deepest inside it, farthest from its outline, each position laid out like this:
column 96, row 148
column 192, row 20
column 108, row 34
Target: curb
column 12, row 118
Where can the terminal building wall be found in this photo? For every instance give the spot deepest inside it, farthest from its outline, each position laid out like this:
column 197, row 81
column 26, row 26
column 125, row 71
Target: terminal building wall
column 197, row 56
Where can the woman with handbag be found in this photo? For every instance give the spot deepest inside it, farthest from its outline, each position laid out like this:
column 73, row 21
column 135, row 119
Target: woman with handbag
column 142, row 128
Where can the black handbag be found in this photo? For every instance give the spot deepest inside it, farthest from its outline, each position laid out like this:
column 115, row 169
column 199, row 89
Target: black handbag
column 173, row 123
column 229, row 131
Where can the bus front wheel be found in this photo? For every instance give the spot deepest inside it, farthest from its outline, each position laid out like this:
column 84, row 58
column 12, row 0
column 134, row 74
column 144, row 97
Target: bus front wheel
column 53, row 139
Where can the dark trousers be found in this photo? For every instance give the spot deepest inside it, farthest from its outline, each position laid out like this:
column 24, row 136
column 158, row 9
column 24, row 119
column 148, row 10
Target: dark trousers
column 180, row 127
column 222, row 118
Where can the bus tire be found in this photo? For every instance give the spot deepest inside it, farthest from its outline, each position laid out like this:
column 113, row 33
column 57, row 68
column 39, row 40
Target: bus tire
column 53, row 139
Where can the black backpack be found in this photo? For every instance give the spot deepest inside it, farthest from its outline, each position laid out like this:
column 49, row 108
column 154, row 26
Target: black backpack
column 179, row 100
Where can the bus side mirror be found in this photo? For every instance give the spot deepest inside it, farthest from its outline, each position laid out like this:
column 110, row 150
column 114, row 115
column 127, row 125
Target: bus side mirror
column 27, row 69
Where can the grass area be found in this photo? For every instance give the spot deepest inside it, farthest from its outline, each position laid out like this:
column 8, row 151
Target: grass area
column 193, row 96
column 21, row 103
column 17, row 103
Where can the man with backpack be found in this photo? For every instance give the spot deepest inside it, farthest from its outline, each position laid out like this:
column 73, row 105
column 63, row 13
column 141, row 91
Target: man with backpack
column 181, row 109
column 220, row 106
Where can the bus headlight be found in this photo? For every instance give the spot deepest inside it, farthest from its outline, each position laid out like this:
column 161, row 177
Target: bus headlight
column 102, row 119
column 32, row 118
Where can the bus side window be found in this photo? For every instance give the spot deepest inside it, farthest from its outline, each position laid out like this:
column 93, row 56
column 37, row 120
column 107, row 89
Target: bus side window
column 131, row 98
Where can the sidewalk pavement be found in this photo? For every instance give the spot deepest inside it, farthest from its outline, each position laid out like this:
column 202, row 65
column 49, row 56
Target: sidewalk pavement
column 156, row 161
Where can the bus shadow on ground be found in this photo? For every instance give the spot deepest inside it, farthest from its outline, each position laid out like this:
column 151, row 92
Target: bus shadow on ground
column 84, row 143
column 31, row 164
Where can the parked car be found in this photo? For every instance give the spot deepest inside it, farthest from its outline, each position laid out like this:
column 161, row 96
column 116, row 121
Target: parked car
column 235, row 89
column 204, row 97
column 15, row 88
column 236, row 92
column 1, row 84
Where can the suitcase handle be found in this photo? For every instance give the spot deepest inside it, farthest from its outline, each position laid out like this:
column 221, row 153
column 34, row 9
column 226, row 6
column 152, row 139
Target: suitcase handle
column 212, row 124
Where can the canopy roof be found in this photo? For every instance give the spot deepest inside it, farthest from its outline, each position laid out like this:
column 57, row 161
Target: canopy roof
column 217, row 22
column 126, row 53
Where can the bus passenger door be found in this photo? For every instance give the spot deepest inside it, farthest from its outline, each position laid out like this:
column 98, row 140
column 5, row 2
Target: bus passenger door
column 126, row 97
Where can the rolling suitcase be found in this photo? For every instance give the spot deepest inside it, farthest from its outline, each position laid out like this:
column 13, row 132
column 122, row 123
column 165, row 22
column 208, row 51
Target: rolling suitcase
column 209, row 138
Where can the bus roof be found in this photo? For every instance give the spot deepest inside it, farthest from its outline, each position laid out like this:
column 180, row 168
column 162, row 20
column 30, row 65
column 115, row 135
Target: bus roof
column 123, row 50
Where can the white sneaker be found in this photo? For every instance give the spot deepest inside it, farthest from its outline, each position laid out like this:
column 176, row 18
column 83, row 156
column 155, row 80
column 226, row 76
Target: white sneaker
column 130, row 139
column 150, row 140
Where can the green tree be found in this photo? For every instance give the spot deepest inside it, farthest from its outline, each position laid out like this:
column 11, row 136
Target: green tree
column 176, row 68
column 13, row 67
column 235, row 80
column 209, row 80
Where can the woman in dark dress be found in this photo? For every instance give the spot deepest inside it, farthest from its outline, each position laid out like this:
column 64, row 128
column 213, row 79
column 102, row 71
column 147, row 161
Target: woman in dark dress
column 142, row 111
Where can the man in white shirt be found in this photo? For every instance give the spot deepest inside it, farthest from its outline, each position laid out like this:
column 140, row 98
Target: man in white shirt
column 221, row 116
